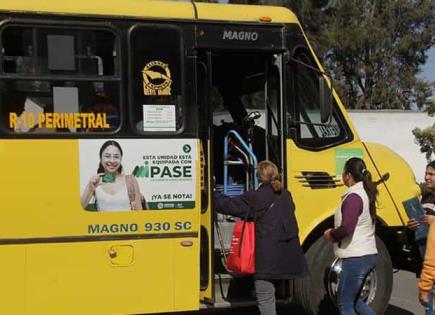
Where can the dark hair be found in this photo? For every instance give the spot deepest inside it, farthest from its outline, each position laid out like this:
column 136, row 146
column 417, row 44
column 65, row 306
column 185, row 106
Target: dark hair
column 425, row 190
column 103, row 147
column 358, row 169
column 268, row 172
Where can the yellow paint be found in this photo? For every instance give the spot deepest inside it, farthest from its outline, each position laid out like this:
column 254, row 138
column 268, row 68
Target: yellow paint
column 116, row 8
column 13, row 121
column 152, row 9
column 13, row 275
column 79, row 278
column 41, row 199
column 401, row 184
column 239, row 12
column 121, row 255
column 313, row 206
column 58, row 120
column 146, row 276
column 206, row 224
column 185, row 275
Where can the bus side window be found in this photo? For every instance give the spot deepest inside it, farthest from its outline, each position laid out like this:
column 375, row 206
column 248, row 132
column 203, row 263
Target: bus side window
column 12, row 106
column 157, row 103
column 311, row 133
column 102, row 103
column 74, row 84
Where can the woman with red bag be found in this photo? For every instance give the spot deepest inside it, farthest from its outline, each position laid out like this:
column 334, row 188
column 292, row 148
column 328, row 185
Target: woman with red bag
column 278, row 254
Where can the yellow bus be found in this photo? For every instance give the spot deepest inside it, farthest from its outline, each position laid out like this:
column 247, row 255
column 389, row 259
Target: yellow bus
column 128, row 105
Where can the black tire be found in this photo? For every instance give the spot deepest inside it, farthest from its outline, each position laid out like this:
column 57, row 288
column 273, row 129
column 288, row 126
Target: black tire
column 311, row 294
column 384, row 274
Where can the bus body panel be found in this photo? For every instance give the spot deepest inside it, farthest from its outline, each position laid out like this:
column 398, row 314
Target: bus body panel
column 155, row 9
column 12, row 271
column 314, row 205
column 134, row 8
column 80, row 278
column 211, row 11
column 60, row 259
column 63, row 259
column 402, row 183
column 207, row 240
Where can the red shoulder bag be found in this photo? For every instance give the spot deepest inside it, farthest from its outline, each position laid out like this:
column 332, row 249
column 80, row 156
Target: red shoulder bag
column 241, row 258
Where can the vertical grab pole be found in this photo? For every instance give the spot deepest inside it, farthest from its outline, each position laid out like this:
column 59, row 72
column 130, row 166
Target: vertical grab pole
column 225, row 164
column 247, row 149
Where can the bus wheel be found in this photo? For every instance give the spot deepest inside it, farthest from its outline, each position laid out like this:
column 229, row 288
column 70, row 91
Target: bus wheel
column 316, row 294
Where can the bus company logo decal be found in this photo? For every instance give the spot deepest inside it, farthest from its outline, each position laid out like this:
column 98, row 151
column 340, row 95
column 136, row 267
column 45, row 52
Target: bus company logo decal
column 156, row 78
column 240, row 35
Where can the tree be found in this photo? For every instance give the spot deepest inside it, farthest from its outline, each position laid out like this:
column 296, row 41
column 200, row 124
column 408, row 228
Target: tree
column 374, row 48
column 425, row 138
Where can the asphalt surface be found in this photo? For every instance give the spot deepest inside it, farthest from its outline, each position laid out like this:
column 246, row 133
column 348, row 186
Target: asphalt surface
column 404, row 301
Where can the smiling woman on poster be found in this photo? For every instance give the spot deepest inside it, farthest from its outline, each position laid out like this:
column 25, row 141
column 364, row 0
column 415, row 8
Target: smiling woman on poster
column 110, row 188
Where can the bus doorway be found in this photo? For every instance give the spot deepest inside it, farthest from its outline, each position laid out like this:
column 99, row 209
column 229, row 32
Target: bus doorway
column 240, row 110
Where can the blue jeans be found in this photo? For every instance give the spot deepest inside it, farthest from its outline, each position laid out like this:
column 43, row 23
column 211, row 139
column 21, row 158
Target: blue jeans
column 421, row 244
column 352, row 276
column 430, row 309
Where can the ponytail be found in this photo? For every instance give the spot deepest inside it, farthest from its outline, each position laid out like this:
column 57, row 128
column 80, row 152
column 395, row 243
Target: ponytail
column 371, row 191
column 276, row 185
column 268, row 172
column 357, row 168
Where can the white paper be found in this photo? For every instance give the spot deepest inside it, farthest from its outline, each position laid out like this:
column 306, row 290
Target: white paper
column 159, row 118
column 66, row 100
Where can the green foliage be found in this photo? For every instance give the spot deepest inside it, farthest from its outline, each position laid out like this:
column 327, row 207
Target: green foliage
column 375, row 49
column 431, row 108
column 425, row 138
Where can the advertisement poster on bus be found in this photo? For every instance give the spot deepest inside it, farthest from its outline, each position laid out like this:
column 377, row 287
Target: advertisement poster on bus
column 115, row 174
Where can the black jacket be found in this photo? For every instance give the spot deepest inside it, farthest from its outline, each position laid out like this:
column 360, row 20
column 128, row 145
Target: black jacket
column 278, row 252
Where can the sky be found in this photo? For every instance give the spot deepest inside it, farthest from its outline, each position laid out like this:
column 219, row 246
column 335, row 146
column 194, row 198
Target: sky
column 428, row 72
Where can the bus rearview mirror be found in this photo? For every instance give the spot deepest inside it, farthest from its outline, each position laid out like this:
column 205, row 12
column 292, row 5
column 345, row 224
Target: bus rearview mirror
column 325, row 100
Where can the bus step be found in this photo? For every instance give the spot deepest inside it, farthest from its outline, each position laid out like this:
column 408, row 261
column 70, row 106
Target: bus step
column 233, row 290
column 226, row 304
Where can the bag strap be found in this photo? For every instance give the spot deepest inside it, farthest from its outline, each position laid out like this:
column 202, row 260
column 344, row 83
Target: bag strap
column 130, row 187
column 255, row 219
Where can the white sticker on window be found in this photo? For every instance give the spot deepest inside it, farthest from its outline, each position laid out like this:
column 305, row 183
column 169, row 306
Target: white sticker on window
column 159, row 118
column 66, row 100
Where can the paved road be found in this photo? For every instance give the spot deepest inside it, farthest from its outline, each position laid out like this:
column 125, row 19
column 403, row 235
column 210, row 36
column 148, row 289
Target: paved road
column 403, row 300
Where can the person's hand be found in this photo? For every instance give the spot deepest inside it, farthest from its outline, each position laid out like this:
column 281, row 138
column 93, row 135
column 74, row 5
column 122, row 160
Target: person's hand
column 134, row 205
column 428, row 219
column 95, row 181
column 423, row 298
column 327, row 235
column 413, row 224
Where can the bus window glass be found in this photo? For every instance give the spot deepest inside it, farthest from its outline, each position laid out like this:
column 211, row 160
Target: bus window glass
column 45, row 50
column 311, row 132
column 58, row 80
column 156, row 82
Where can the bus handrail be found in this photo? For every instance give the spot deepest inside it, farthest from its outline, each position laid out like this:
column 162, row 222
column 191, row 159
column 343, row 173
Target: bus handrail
column 248, row 151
